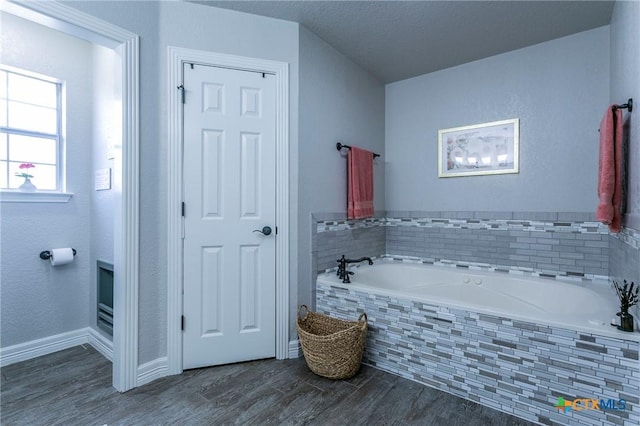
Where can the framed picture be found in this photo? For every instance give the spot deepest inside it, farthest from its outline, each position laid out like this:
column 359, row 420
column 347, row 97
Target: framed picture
column 480, row 149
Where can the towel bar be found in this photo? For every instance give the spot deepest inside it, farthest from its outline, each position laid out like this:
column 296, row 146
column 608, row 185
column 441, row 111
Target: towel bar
column 340, row 145
column 628, row 105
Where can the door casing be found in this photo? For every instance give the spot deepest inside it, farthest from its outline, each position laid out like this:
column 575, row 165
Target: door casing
column 177, row 57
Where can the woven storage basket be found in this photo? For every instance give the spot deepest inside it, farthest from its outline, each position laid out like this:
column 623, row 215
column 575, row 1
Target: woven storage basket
column 332, row 347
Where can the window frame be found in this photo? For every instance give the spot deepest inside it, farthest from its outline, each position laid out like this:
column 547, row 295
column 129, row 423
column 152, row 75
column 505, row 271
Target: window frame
column 41, row 195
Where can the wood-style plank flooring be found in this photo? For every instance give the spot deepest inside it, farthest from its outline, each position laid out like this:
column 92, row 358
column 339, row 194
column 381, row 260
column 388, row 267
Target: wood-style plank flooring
column 73, row 387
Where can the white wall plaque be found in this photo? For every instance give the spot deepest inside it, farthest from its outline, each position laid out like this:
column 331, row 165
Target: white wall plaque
column 103, row 179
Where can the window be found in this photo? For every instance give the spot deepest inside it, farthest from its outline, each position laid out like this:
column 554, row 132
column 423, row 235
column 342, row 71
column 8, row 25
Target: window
column 30, row 130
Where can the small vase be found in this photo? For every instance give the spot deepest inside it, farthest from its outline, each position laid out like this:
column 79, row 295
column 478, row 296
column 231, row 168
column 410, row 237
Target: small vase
column 27, row 186
column 626, row 321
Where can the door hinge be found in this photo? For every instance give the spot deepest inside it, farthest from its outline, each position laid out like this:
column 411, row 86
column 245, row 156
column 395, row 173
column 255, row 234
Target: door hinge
column 181, row 88
column 183, row 209
column 182, row 323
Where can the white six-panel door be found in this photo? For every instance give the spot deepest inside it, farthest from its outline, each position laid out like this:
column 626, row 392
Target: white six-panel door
column 229, row 192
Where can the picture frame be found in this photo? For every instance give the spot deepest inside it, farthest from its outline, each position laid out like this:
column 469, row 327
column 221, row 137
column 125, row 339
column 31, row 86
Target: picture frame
column 479, row 149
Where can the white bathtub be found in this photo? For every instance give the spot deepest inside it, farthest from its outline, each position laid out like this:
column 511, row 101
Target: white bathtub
column 585, row 307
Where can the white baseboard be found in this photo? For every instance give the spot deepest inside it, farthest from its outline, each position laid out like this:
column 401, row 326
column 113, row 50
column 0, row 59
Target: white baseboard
column 294, row 349
column 25, row 351
column 152, row 370
column 146, row 373
column 47, row 345
column 101, row 343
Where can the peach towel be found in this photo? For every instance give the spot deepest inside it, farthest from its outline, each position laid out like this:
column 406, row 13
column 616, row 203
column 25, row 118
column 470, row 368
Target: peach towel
column 360, row 183
column 610, row 170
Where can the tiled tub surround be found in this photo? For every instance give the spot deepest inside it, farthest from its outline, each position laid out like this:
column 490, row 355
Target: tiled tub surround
column 624, row 260
column 544, row 244
column 624, row 255
column 515, row 366
column 567, row 245
column 332, row 235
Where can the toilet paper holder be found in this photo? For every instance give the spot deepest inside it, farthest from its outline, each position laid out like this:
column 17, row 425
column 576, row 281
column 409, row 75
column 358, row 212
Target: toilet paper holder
column 46, row 255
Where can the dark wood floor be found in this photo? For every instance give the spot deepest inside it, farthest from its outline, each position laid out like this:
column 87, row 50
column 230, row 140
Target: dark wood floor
column 73, row 387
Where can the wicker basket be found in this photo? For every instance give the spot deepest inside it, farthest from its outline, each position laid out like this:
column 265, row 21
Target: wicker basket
column 332, row 347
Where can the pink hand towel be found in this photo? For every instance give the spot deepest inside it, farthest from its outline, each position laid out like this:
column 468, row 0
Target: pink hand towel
column 360, row 183
column 610, row 170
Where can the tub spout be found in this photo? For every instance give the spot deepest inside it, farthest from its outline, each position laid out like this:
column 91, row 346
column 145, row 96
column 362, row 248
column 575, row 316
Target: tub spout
column 342, row 272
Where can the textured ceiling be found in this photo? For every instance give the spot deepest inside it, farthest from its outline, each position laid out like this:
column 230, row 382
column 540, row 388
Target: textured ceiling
column 395, row 40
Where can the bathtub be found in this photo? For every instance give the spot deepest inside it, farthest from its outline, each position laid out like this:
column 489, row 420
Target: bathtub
column 585, row 306
column 510, row 342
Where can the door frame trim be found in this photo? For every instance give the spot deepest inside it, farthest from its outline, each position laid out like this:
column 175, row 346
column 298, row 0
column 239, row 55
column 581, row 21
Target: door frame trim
column 126, row 234
column 176, row 58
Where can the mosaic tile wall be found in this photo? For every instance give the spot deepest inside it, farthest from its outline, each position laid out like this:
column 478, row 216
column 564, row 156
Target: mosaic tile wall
column 624, row 260
column 624, row 255
column 564, row 245
column 574, row 248
column 354, row 243
column 544, row 243
column 333, row 235
column 513, row 366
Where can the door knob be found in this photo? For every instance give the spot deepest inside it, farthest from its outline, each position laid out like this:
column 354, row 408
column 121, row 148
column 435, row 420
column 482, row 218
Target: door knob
column 264, row 231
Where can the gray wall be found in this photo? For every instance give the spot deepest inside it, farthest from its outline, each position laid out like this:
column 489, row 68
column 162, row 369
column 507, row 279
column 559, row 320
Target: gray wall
column 625, row 84
column 181, row 24
column 37, row 300
column 558, row 89
column 339, row 101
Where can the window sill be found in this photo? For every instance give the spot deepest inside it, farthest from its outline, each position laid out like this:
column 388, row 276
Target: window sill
column 34, row 197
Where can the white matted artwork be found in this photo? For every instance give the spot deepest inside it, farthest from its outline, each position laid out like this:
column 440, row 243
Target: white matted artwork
column 479, row 149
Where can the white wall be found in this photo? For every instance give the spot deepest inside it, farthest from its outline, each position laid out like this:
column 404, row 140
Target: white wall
column 193, row 26
column 625, row 84
column 339, row 101
column 38, row 300
column 558, row 89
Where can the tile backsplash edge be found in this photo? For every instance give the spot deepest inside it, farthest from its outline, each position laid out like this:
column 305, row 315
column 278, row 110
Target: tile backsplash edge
column 538, row 221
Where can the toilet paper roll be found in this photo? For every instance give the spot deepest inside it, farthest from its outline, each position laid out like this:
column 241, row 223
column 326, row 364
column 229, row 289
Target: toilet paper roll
column 61, row 256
